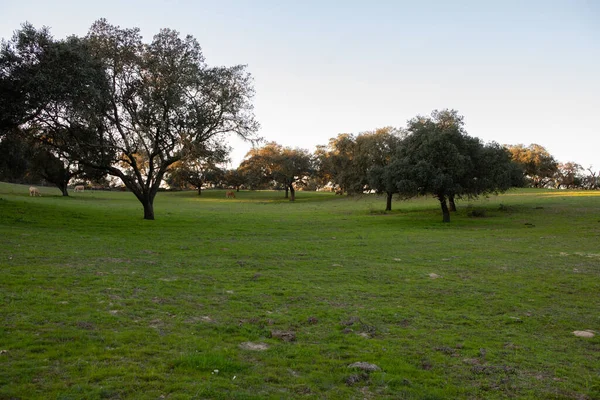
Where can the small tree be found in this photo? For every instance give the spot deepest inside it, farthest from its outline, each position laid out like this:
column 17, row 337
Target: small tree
column 27, row 160
column 591, row 181
column 347, row 160
column 234, row 178
column 283, row 165
column 538, row 165
column 568, row 176
column 54, row 170
column 334, row 162
column 200, row 169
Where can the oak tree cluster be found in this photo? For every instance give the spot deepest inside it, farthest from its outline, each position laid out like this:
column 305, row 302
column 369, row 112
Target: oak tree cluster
column 155, row 113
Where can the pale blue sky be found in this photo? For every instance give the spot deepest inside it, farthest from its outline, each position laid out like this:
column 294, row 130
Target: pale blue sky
column 519, row 71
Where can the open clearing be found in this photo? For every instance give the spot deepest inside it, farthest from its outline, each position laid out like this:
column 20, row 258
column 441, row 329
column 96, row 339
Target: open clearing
column 256, row 297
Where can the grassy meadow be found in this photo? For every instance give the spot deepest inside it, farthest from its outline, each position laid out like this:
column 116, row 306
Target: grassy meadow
column 260, row 298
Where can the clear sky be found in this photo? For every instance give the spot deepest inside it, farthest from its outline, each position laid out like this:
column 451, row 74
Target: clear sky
column 519, row 71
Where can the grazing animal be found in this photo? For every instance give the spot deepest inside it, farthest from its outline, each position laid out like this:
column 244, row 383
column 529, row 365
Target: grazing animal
column 33, row 191
column 230, row 195
column 79, row 188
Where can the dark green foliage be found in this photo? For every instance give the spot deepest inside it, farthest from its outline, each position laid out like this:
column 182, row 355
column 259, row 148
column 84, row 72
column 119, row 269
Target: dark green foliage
column 113, row 103
column 49, row 83
column 23, row 72
column 15, row 160
column 25, row 159
column 48, row 166
column 233, row 178
column 438, row 158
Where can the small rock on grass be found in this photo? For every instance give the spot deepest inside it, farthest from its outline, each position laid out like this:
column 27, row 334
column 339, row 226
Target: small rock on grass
column 365, row 366
column 357, row 378
column 434, row 276
column 286, row 336
column 584, row 334
column 254, row 346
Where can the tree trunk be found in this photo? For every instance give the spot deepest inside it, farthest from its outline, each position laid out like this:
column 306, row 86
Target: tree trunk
column 445, row 211
column 286, row 191
column 199, row 190
column 292, row 193
column 452, row 203
column 60, row 184
column 388, row 202
column 147, row 200
column 63, row 188
column 237, row 189
column 148, row 209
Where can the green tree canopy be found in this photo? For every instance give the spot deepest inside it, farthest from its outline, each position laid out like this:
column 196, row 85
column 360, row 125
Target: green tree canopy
column 132, row 108
column 234, row 178
column 347, row 159
column 438, row 158
column 283, row 165
column 202, row 168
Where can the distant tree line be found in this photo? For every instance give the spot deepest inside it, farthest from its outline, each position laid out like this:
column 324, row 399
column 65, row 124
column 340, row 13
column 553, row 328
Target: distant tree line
column 432, row 156
column 109, row 105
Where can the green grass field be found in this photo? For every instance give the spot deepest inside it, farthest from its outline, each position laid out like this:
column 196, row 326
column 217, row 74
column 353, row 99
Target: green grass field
column 98, row 303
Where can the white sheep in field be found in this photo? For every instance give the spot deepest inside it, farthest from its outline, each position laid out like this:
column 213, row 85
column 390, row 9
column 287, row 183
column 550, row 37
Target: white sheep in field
column 79, row 188
column 33, row 191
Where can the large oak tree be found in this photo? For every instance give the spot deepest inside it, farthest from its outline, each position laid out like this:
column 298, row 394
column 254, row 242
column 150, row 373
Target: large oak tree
column 133, row 109
column 438, row 158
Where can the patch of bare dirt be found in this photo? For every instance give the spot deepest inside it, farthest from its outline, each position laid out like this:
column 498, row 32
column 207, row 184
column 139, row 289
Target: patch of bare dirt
column 88, row 326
